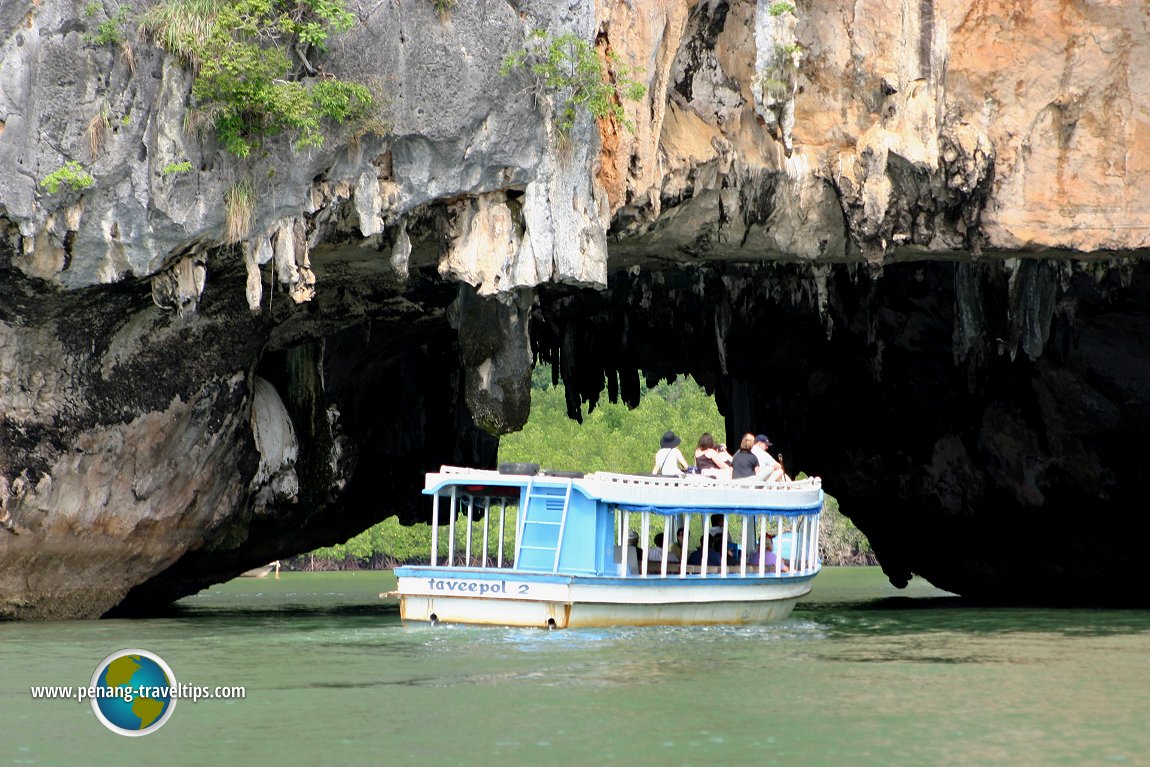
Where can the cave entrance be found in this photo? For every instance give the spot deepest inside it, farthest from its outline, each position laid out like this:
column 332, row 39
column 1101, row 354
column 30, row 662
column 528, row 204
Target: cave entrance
column 612, row 436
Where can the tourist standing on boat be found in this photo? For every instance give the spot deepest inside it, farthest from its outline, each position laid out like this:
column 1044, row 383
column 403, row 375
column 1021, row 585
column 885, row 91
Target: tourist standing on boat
column 769, row 468
column 745, row 463
column 710, row 460
column 669, row 461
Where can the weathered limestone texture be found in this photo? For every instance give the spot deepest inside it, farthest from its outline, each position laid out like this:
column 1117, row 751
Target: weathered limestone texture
column 932, row 126
column 185, row 394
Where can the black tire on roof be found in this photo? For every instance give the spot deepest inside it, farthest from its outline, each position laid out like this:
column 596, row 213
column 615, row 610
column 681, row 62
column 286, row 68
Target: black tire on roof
column 518, row 468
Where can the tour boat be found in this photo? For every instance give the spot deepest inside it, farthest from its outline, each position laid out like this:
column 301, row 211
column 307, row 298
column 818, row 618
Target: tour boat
column 576, row 563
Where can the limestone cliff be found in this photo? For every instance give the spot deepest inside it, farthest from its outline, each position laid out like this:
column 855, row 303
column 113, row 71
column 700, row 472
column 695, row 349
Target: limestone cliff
column 946, row 203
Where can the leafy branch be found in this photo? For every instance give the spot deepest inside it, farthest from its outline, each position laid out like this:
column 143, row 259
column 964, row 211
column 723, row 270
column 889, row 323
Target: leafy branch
column 779, row 76
column 570, row 68
column 241, row 53
column 110, row 31
column 71, row 174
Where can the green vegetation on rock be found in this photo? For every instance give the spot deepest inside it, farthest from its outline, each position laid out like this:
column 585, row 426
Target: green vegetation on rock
column 443, row 7
column 569, row 68
column 72, row 175
column 176, row 167
column 110, row 31
column 241, row 53
column 778, row 77
column 239, row 204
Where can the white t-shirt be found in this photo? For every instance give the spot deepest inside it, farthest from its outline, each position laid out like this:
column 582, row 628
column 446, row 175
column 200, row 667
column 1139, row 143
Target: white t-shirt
column 669, row 462
column 765, row 459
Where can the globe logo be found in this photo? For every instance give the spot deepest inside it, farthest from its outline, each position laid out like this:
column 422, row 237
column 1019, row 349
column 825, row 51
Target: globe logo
column 133, row 692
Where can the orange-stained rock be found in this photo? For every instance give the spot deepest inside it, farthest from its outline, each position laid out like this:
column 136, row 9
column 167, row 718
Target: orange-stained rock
column 1030, row 119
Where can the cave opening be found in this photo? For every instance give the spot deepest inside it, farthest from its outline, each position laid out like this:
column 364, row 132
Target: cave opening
column 933, row 398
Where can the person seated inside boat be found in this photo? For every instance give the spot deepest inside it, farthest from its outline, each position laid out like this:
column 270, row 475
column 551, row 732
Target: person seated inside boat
column 714, row 558
column 712, row 460
column 769, row 469
column 769, row 557
column 744, row 463
column 655, row 554
column 677, row 546
column 716, row 534
column 669, row 460
column 633, row 543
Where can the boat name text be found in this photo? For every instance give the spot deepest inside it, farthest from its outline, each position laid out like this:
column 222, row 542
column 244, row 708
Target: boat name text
column 474, row 587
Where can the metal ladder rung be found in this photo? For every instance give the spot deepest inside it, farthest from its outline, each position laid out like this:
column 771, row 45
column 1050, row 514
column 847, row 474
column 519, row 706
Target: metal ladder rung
column 531, row 495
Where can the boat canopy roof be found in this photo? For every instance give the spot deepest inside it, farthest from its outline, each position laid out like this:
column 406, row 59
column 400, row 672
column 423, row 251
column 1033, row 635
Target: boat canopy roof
column 671, row 511
column 692, row 494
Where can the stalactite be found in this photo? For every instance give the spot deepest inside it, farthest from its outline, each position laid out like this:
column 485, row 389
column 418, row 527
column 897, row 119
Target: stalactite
column 969, row 321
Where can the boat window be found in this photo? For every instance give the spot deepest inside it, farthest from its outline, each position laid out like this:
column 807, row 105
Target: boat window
column 716, row 544
column 480, row 529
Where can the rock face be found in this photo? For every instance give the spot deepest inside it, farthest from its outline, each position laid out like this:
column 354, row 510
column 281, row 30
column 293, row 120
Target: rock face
column 905, row 237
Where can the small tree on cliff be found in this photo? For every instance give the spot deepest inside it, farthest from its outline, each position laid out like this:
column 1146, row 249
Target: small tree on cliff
column 570, row 70
column 253, row 67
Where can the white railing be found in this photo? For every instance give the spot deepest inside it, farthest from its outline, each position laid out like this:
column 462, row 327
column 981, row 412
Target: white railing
column 491, row 552
column 792, row 538
column 690, row 490
column 696, row 481
column 736, row 550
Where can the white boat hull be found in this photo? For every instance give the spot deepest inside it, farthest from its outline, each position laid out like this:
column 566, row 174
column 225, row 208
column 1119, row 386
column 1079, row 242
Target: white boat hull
column 582, row 603
column 589, row 615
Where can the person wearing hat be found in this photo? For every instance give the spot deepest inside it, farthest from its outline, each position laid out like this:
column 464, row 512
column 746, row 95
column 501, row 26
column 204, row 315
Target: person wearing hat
column 769, row 468
column 669, row 461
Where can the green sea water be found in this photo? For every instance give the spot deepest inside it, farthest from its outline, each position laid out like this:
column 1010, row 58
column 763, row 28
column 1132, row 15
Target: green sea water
column 861, row 674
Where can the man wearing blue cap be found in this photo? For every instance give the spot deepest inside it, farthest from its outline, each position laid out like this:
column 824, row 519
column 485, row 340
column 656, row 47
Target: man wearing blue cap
column 769, row 468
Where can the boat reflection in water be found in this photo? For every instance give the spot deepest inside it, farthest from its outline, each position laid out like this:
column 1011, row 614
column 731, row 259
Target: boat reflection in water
column 577, row 561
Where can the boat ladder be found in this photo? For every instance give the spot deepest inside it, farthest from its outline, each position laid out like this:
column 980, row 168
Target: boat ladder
column 542, row 523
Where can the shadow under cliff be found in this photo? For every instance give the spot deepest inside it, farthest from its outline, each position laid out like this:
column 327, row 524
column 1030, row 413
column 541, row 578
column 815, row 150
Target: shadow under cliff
column 981, row 422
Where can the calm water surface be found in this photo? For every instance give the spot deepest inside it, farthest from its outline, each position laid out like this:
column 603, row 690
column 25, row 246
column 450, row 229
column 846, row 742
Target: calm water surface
column 861, row 674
